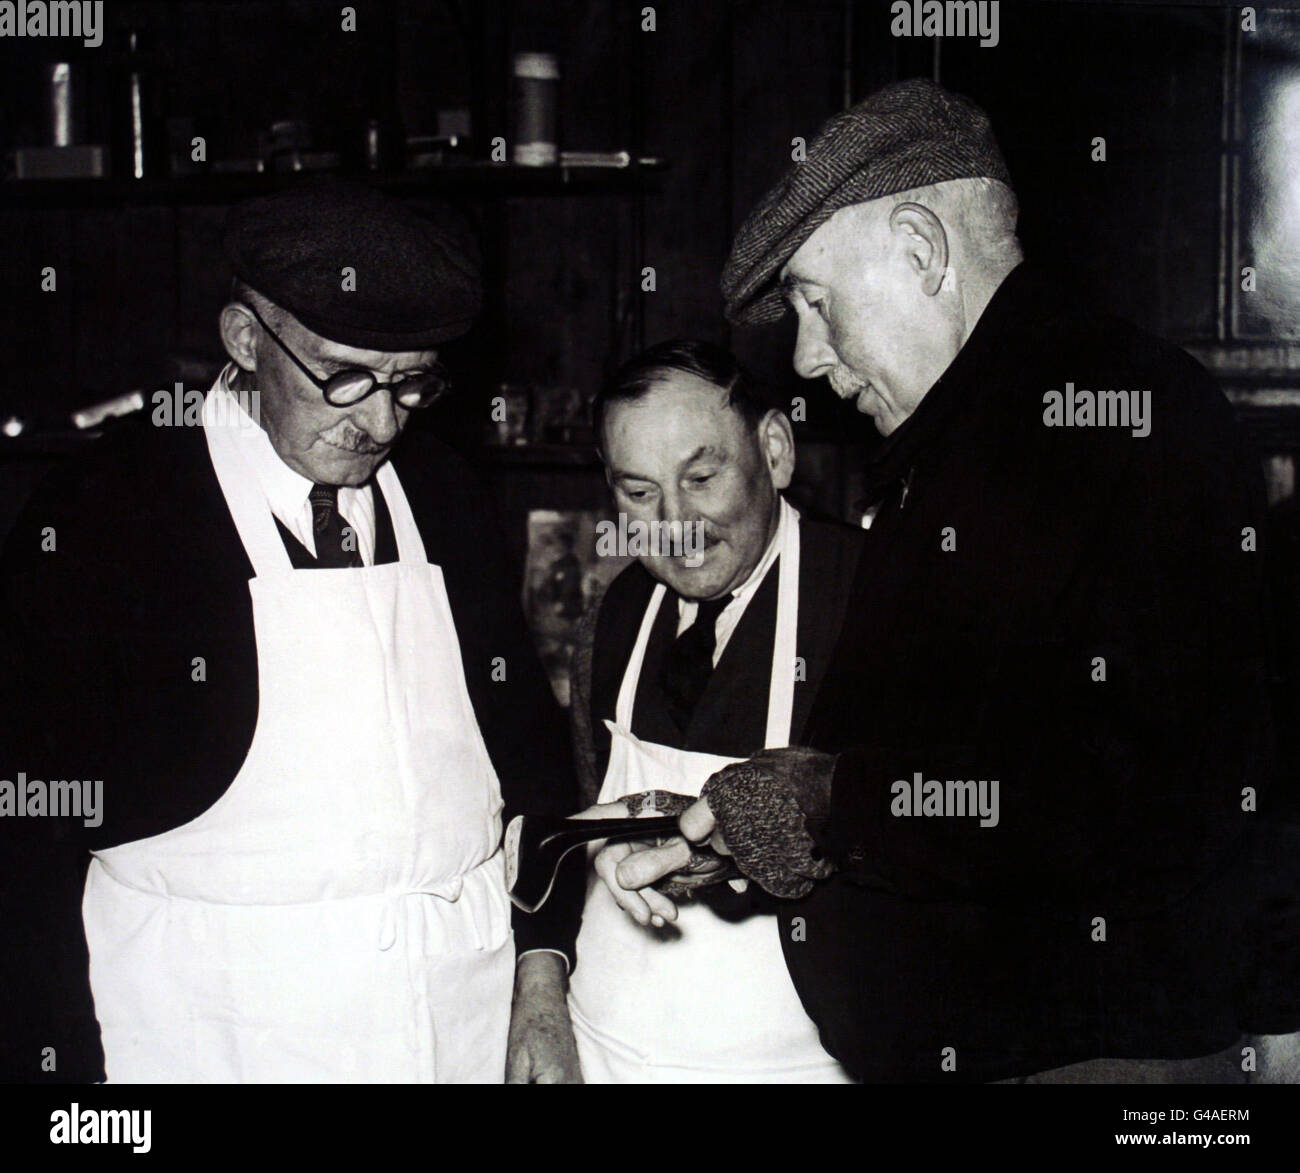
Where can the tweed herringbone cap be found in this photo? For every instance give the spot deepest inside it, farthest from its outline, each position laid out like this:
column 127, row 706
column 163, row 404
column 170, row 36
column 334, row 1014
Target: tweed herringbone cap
column 907, row 135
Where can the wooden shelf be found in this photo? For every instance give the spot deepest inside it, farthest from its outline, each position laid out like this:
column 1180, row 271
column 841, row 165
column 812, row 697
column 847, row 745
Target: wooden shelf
column 490, row 180
column 35, row 445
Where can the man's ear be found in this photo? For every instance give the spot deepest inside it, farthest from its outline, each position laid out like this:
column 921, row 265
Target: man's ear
column 239, row 336
column 776, row 437
column 926, row 243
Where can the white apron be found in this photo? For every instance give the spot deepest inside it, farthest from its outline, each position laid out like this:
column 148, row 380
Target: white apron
column 340, row 913
column 702, row 999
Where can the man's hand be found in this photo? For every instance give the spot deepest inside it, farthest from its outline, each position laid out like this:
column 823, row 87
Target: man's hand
column 650, row 863
column 541, row 1047
column 758, row 812
column 646, row 907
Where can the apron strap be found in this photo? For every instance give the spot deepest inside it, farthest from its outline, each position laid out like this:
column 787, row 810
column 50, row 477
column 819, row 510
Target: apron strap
column 254, row 519
column 248, row 508
column 780, row 697
column 410, row 546
column 627, row 690
column 780, row 702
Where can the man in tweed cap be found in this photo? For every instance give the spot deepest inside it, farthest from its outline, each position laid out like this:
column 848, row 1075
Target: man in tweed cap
column 1025, row 768
column 914, row 164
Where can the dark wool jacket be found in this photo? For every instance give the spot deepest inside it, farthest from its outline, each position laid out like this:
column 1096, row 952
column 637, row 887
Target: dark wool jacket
column 149, row 572
column 1109, row 912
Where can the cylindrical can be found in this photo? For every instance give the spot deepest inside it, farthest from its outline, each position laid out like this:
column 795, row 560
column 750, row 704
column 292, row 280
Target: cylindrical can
column 537, row 100
column 65, row 110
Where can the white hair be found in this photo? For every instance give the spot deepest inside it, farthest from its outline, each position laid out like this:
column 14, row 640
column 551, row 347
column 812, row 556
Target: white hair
column 980, row 214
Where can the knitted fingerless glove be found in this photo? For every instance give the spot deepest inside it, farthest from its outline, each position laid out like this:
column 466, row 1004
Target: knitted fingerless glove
column 760, row 812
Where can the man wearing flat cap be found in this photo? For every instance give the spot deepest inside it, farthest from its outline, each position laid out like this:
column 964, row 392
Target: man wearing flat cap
column 289, row 650
column 1033, row 765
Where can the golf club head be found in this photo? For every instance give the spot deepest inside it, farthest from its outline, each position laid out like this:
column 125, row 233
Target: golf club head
column 536, row 844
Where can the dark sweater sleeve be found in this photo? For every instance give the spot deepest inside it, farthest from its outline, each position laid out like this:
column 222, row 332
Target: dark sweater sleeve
column 59, row 694
column 527, row 737
column 523, row 725
column 581, row 724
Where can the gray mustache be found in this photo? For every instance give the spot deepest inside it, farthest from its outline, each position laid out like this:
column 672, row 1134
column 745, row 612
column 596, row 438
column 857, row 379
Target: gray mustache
column 357, row 442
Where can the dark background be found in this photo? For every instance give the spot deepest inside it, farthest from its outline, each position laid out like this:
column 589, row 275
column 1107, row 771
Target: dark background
column 717, row 92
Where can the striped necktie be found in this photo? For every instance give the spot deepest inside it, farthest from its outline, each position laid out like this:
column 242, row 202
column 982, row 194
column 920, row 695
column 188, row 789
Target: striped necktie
column 330, row 530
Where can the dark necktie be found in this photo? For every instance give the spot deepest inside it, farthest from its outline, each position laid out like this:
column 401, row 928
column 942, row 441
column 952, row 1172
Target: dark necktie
column 327, row 528
column 690, row 662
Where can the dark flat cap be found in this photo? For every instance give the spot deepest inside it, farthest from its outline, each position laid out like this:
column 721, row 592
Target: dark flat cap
column 417, row 277
column 907, row 135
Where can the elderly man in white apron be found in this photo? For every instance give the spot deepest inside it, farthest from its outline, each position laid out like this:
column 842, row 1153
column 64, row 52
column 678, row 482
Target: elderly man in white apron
column 700, row 992
column 336, row 911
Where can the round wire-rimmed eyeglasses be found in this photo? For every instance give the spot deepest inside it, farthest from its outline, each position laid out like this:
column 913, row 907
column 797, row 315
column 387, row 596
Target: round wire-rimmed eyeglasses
column 349, row 387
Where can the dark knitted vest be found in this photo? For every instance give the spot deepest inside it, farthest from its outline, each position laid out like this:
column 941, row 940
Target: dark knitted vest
column 731, row 717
